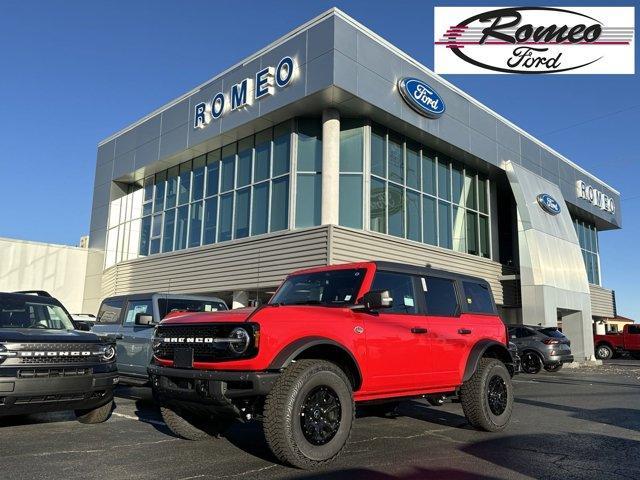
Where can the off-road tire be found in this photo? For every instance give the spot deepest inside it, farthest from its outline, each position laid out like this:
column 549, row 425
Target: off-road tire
column 191, row 426
column 95, row 415
column 604, row 352
column 553, row 368
column 283, row 406
column 474, row 396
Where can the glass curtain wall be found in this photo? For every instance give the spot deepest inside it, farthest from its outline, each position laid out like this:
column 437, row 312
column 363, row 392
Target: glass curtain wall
column 351, row 176
column 427, row 197
column 588, row 238
column 230, row 193
column 309, row 176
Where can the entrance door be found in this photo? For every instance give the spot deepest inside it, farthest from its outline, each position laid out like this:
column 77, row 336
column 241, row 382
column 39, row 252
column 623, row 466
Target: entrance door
column 397, row 338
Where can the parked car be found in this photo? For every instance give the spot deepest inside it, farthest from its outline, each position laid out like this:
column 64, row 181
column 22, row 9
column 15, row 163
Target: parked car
column 540, row 347
column 612, row 344
column 331, row 336
column 129, row 321
column 47, row 365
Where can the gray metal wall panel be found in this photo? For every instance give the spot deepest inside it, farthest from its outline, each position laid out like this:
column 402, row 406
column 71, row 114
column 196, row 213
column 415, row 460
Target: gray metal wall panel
column 244, row 264
column 601, row 301
column 349, row 245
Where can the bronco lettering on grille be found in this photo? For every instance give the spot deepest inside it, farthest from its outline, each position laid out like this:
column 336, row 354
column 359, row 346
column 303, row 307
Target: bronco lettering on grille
column 188, row 340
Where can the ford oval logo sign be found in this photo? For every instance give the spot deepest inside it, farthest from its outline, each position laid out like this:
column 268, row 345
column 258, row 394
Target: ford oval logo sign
column 421, row 97
column 548, row 204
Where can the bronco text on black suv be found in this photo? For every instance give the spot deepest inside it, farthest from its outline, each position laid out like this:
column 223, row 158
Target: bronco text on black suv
column 46, row 365
column 369, row 332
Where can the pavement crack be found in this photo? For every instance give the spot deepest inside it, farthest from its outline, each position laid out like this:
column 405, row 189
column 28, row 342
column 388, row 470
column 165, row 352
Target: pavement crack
column 113, row 447
column 427, row 433
column 233, row 475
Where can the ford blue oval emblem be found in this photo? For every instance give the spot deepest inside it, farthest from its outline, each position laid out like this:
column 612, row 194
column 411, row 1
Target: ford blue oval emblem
column 548, row 203
column 421, row 97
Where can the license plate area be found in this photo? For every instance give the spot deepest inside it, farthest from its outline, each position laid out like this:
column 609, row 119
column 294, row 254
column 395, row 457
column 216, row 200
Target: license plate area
column 183, row 358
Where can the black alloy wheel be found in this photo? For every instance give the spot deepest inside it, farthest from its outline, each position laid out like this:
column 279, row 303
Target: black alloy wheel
column 320, row 415
column 497, row 395
column 531, row 363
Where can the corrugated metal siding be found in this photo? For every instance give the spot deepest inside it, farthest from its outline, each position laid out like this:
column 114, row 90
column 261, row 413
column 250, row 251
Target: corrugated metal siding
column 602, row 302
column 109, row 282
column 349, row 245
column 242, row 264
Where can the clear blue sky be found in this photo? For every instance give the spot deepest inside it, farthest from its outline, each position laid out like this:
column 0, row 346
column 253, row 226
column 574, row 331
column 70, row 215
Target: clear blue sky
column 74, row 72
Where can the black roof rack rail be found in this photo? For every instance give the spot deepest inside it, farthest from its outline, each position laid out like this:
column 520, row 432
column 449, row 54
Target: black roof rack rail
column 39, row 293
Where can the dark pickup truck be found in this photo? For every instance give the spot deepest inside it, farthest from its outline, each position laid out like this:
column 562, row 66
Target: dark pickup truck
column 612, row 344
column 47, row 365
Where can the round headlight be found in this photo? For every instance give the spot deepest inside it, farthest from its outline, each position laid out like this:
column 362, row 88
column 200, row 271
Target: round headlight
column 108, row 353
column 239, row 341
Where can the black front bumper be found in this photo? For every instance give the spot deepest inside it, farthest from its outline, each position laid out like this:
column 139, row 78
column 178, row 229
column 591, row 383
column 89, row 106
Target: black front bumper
column 209, row 387
column 21, row 395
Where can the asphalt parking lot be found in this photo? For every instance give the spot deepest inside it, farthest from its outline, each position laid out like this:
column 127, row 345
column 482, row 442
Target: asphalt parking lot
column 571, row 425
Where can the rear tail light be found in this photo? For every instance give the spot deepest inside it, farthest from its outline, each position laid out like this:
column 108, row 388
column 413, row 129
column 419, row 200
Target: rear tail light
column 551, row 341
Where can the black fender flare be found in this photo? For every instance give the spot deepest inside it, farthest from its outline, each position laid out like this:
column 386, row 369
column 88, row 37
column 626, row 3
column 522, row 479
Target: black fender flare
column 478, row 351
column 292, row 350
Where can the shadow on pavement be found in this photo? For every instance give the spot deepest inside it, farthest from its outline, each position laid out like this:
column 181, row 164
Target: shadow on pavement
column 415, row 473
column 627, row 418
column 567, row 456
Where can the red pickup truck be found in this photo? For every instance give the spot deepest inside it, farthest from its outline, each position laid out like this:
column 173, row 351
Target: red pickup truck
column 607, row 346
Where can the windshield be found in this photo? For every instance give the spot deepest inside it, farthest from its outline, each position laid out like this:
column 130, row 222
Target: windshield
column 168, row 305
column 16, row 313
column 328, row 288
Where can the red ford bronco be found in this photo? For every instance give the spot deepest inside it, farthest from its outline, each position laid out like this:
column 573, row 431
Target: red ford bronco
column 369, row 333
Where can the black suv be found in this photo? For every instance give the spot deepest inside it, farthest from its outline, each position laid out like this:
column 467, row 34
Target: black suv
column 46, row 365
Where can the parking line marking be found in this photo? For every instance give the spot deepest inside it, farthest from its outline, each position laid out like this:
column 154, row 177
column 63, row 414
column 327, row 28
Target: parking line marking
column 138, row 419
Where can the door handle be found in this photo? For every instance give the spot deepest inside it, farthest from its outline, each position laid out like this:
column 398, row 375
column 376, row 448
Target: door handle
column 115, row 336
column 464, row 331
column 419, row 330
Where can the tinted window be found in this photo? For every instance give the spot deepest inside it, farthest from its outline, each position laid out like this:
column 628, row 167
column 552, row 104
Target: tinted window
column 440, row 296
column 522, row 332
column 16, row 313
column 553, row 332
column 110, row 310
column 634, row 329
column 478, row 297
column 400, row 288
column 168, row 305
column 137, row 306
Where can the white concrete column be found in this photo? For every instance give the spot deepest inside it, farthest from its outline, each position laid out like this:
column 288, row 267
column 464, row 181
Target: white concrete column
column 330, row 166
column 240, row 299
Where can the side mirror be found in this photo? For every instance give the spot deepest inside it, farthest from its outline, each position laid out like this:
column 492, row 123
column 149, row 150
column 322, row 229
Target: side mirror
column 377, row 299
column 143, row 319
column 83, row 326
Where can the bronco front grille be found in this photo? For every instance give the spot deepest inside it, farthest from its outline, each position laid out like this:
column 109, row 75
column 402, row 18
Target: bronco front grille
column 52, row 372
column 52, row 353
column 203, row 351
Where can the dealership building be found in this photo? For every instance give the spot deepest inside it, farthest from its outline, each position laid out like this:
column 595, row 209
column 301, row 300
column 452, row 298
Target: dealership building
column 331, row 145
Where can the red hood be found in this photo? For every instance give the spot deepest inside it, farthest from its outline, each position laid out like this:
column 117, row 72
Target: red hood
column 225, row 316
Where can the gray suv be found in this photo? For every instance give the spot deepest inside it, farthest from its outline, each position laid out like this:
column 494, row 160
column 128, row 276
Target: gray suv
column 130, row 320
column 540, row 347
